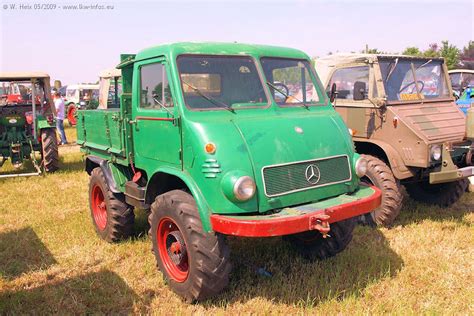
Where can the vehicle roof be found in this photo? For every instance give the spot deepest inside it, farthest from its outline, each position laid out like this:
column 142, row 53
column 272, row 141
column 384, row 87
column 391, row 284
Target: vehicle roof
column 174, row 49
column 355, row 57
column 110, row 73
column 82, row 86
column 324, row 64
column 453, row 71
column 16, row 76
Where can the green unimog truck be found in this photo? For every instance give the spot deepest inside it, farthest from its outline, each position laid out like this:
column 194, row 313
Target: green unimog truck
column 209, row 139
column 401, row 112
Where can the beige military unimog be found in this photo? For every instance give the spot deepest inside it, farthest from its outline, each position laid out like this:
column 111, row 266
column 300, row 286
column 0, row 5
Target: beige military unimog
column 402, row 116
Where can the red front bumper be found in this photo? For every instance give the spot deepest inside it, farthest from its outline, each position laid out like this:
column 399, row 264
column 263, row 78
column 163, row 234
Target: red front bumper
column 298, row 219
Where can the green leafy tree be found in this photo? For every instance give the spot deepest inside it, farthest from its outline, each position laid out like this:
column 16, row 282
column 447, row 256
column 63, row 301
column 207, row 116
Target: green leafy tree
column 467, row 56
column 412, row 51
column 432, row 51
column 450, row 54
column 373, row 51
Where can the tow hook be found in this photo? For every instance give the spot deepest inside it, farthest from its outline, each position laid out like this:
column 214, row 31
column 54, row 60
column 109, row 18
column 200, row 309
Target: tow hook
column 320, row 223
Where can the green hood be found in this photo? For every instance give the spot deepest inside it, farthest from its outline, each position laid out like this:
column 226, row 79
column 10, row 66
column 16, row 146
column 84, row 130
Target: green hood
column 294, row 142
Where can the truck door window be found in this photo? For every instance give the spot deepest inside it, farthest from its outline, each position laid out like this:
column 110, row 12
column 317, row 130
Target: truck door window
column 345, row 78
column 154, row 87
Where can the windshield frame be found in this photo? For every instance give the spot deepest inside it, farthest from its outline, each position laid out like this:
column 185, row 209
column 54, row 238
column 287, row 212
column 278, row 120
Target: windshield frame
column 314, row 77
column 217, row 108
column 411, row 61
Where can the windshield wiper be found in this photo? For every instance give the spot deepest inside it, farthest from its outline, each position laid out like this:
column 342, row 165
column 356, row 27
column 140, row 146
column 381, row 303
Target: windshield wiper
column 161, row 104
column 423, row 65
column 391, row 69
column 208, row 98
column 271, row 85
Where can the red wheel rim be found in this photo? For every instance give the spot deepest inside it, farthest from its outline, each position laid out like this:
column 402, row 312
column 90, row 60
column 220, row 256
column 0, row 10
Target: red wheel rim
column 172, row 250
column 70, row 115
column 99, row 208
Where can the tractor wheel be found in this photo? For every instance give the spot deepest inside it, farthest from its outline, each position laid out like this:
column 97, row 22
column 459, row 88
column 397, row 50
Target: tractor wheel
column 380, row 175
column 312, row 245
column 442, row 194
column 71, row 114
column 194, row 263
column 49, row 150
column 113, row 218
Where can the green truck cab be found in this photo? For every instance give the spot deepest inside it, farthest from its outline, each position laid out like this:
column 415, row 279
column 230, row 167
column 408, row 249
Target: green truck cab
column 207, row 140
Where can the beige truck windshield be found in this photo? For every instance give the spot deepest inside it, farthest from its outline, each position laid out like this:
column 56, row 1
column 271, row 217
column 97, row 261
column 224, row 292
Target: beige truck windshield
column 406, row 80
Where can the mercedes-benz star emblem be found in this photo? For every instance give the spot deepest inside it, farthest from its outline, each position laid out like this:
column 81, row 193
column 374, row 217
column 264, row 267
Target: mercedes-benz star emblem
column 312, row 173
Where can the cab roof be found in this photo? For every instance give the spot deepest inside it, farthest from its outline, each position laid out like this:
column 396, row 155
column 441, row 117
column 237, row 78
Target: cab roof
column 17, row 76
column 174, row 49
column 82, row 86
column 110, row 73
column 359, row 57
column 324, row 64
column 453, row 71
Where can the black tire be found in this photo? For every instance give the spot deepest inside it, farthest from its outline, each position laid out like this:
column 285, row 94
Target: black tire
column 380, row 175
column 442, row 194
column 205, row 271
column 49, row 150
column 312, row 246
column 118, row 217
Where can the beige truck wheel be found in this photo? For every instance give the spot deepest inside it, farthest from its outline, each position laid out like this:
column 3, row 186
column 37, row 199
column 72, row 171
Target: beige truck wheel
column 442, row 194
column 380, row 175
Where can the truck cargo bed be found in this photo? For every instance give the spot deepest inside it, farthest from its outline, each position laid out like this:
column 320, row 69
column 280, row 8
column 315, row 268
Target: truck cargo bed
column 100, row 132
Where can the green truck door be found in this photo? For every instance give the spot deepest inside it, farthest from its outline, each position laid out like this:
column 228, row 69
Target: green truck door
column 156, row 134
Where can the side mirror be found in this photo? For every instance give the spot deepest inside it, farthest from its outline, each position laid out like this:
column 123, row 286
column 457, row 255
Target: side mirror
column 359, row 90
column 333, row 94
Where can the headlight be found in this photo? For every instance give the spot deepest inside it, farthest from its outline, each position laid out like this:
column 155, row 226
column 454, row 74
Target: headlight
column 82, row 103
column 435, row 152
column 244, row 188
column 361, row 167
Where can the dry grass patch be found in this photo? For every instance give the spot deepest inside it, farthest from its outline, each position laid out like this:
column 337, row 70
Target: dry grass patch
column 51, row 261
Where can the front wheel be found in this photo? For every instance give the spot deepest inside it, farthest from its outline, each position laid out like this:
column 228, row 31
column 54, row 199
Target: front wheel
column 380, row 175
column 442, row 194
column 312, row 245
column 195, row 263
column 49, row 150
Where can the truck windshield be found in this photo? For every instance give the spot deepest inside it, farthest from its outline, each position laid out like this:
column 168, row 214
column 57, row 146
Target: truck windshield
column 406, row 80
column 220, row 82
column 20, row 93
column 290, row 81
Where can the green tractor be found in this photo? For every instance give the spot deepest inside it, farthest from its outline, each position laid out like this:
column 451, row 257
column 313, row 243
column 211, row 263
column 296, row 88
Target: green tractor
column 27, row 123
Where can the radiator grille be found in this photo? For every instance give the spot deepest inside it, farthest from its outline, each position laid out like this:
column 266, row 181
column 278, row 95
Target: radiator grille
column 287, row 178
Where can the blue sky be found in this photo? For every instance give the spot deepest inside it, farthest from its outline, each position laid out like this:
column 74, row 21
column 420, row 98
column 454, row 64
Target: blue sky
column 75, row 45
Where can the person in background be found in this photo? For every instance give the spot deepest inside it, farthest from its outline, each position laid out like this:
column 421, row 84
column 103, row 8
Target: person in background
column 59, row 105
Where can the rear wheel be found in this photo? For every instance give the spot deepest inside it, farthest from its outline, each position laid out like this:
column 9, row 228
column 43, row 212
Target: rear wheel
column 380, row 175
column 71, row 114
column 113, row 218
column 312, row 245
column 195, row 263
column 442, row 194
column 49, row 150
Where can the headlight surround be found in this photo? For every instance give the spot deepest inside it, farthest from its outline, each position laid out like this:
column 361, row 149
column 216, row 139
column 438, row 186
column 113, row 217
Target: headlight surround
column 361, row 167
column 237, row 186
column 435, row 152
column 244, row 188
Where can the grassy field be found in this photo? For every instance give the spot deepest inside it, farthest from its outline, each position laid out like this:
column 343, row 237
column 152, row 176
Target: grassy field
column 51, row 261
